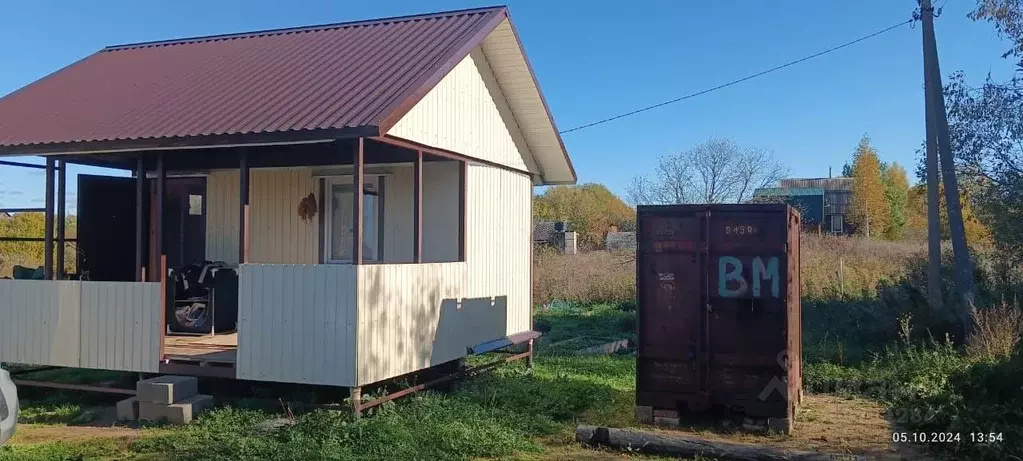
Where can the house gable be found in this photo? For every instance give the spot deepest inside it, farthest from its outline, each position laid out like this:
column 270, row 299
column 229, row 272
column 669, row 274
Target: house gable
column 467, row 112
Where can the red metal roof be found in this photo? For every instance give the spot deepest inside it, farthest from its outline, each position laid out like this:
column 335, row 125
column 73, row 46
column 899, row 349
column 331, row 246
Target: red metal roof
column 321, row 78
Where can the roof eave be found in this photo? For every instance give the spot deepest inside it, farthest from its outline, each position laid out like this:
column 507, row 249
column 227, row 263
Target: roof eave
column 191, row 142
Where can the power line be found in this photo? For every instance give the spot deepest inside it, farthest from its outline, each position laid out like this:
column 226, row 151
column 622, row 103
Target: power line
column 743, row 79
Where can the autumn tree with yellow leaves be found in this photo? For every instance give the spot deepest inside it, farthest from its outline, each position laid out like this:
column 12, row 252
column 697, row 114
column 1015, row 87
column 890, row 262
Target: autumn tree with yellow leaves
column 590, row 209
column 869, row 210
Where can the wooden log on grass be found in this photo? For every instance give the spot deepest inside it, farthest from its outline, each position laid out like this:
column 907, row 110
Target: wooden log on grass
column 665, row 444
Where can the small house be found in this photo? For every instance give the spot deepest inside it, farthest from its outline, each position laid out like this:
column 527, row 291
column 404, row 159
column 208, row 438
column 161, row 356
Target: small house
column 836, row 193
column 363, row 190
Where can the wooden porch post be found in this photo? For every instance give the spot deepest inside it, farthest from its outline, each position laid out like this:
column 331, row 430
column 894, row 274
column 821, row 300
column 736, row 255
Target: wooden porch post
column 243, row 208
column 463, row 174
column 61, row 215
column 48, row 224
column 357, row 206
column 161, row 182
column 140, row 223
column 417, row 208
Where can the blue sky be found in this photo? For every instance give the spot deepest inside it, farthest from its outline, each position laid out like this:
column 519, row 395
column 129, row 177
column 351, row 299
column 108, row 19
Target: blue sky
column 596, row 59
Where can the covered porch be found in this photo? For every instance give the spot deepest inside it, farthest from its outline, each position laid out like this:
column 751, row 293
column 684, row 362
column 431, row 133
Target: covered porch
column 286, row 221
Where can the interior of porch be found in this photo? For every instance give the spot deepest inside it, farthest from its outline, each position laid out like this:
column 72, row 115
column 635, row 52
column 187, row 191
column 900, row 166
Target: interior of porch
column 189, row 217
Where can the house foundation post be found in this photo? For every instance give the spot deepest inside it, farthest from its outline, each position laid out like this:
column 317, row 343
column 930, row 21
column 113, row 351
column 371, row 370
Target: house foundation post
column 529, row 358
column 356, row 403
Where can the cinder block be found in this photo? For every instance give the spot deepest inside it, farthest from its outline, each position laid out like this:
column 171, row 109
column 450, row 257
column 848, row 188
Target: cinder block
column 176, row 413
column 166, row 389
column 782, row 425
column 661, row 413
column 663, row 421
column 645, row 415
column 128, row 409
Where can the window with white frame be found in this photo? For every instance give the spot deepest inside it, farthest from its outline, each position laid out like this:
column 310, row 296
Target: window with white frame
column 339, row 219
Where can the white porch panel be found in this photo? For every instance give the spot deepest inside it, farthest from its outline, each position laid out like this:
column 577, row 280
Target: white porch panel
column 413, row 316
column 105, row 325
column 296, row 323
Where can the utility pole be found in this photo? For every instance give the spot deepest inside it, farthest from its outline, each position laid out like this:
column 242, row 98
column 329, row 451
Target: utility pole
column 933, row 213
column 936, row 107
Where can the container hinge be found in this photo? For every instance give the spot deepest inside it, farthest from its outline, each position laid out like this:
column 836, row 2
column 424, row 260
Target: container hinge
column 710, row 308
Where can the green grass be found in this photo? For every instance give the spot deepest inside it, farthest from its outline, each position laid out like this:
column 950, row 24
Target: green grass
column 496, row 415
column 91, row 449
column 570, row 327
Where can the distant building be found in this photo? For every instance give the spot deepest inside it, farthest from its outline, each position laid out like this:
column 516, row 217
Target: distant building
column 824, row 202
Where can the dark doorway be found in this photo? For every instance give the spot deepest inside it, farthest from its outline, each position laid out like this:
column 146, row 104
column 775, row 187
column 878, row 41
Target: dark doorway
column 184, row 222
column 106, row 227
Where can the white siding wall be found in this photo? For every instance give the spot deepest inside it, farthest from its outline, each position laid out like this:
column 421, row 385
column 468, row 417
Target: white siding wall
column 412, row 316
column 120, row 326
column 296, row 324
column 440, row 211
column 499, row 240
column 107, row 325
column 277, row 234
column 467, row 113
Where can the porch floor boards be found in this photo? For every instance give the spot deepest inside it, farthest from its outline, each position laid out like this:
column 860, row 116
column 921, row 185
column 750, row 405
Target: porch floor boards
column 219, row 349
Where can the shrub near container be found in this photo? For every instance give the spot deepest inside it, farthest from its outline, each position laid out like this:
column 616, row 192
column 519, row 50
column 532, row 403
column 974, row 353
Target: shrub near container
column 718, row 314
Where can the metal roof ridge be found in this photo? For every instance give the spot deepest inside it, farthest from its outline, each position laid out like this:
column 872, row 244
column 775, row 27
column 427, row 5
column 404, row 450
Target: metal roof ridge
column 310, row 28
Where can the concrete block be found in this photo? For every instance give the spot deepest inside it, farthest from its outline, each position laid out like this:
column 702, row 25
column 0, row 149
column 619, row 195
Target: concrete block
column 645, row 415
column 128, row 409
column 781, row 425
column 176, row 413
column 166, row 389
column 664, row 421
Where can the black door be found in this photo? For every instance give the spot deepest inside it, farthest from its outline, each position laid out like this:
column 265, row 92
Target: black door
column 106, row 227
column 184, row 220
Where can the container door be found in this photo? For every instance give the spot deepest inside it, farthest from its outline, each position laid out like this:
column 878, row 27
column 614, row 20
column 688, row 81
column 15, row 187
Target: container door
column 670, row 280
column 747, row 331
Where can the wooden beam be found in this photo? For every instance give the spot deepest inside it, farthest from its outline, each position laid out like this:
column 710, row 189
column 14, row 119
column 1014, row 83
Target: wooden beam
column 417, row 208
column 48, row 223
column 463, row 176
column 61, row 216
column 450, row 155
column 161, row 185
column 140, row 222
column 360, row 183
column 243, row 208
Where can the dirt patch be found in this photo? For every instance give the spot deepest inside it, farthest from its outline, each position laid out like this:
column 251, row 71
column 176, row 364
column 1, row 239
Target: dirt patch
column 40, row 433
column 825, row 423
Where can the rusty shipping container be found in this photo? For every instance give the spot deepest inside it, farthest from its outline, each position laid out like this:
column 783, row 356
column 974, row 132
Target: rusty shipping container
column 718, row 318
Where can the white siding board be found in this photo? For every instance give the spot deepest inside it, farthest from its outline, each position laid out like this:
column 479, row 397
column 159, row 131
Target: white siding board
column 288, row 327
column 466, row 112
column 80, row 324
column 499, row 239
column 277, row 234
column 119, row 326
column 413, row 316
column 39, row 322
column 440, row 211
